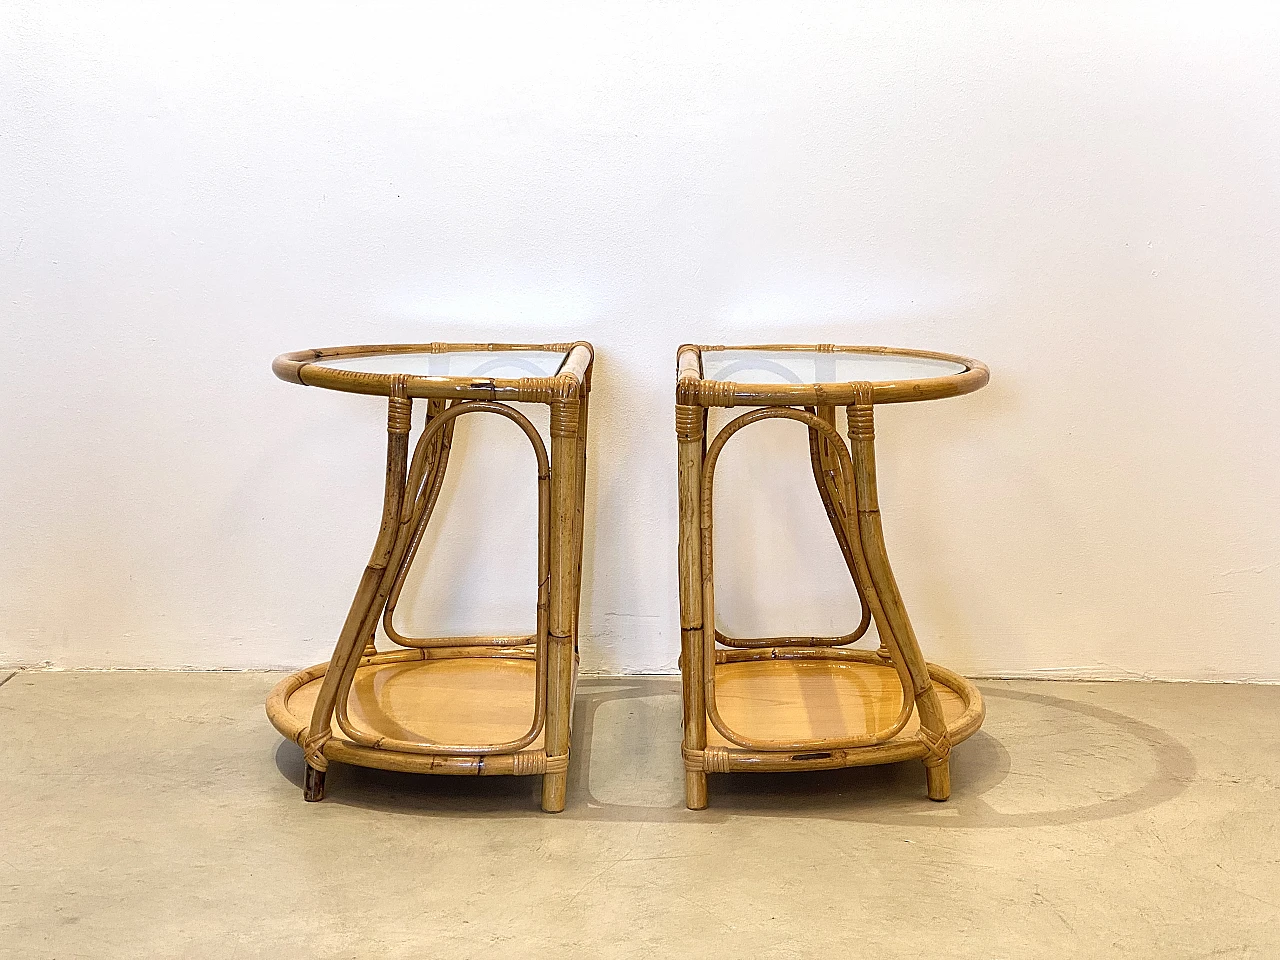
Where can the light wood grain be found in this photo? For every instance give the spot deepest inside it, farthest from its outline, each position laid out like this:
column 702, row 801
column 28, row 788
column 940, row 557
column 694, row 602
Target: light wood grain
column 468, row 700
column 815, row 700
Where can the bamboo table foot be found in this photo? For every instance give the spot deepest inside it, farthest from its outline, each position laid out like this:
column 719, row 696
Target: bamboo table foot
column 811, row 703
column 476, row 706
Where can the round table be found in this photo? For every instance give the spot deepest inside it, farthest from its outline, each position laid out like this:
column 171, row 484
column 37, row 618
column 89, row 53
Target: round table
column 457, row 705
column 810, row 703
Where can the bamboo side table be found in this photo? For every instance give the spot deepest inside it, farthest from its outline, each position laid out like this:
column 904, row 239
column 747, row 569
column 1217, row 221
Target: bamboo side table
column 810, row 703
column 452, row 705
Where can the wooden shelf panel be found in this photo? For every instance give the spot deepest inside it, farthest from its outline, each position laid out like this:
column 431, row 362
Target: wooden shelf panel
column 463, row 700
column 815, row 699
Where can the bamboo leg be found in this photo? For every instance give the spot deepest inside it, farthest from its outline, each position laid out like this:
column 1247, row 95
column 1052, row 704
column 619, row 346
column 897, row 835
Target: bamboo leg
column 346, row 654
column 560, row 652
column 933, row 726
column 690, row 431
column 579, row 514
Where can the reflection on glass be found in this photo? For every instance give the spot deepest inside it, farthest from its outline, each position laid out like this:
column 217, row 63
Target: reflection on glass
column 811, row 366
column 473, row 364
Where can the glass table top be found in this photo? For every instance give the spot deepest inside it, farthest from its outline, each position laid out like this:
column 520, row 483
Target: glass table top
column 475, row 364
column 812, row 366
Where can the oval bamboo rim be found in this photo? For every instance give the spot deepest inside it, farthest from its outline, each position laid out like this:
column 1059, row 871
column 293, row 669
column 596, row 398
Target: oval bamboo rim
column 302, row 366
column 692, row 388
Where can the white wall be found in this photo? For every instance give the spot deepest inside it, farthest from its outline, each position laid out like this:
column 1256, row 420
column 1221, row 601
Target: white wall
column 1084, row 195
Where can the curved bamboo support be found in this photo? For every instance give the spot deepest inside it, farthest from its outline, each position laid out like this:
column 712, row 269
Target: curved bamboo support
column 415, row 472
column 933, row 726
column 764, row 643
column 847, row 475
column 827, row 477
column 431, row 460
column 411, row 521
column 350, row 640
column 470, row 643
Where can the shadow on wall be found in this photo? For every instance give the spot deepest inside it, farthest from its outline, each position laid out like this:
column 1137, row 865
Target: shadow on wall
column 1046, row 761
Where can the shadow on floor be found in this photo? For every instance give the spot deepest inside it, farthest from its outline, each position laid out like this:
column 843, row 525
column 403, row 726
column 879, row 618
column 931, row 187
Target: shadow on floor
column 626, row 767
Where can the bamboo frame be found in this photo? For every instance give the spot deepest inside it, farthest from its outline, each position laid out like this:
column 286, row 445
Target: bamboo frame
column 411, row 491
column 845, row 476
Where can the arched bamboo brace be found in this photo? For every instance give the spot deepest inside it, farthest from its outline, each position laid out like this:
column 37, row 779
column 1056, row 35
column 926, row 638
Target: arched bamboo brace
column 426, row 476
column 828, row 479
column 412, row 518
column 860, row 572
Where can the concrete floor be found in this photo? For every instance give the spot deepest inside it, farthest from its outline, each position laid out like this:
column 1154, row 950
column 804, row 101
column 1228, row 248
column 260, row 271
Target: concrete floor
column 159, row 815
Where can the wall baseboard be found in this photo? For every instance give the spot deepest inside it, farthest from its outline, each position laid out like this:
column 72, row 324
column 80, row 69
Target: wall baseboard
column 1063, row 674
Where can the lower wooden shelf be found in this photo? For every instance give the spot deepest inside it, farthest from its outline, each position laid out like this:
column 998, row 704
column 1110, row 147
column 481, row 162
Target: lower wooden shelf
column 822, row 700
column 468, row 698
column 825, row 696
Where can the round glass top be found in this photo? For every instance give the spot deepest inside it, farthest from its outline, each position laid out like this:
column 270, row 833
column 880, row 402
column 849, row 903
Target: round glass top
column 815, row 366
column 475, row 364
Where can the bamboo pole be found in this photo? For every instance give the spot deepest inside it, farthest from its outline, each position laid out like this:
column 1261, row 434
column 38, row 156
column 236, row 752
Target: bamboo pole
column 580, row 502
column 690, row 434
column 565, row 424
